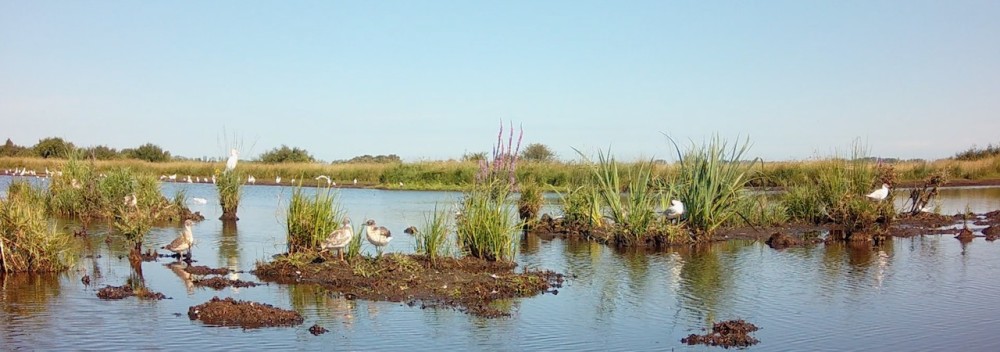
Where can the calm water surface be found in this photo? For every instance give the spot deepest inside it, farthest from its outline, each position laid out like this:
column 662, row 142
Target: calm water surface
column 923, row 293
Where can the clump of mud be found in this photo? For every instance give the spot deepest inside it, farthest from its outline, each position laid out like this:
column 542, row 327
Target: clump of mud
column 317, row 330
column 732, row 333
column 779, row 240
column 122, row 292
column 149, row 256
column 469, row 284
column 992, row 233
column 244, row 314
column 219, row 283
column 204, row 270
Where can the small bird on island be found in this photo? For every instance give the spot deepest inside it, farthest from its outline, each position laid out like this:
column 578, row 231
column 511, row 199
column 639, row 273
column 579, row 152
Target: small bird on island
column 339, row 238
column 378, row 236
column 879, row 194
column 183, row 241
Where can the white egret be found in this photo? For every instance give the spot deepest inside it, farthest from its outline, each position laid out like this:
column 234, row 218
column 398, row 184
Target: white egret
column 234, row 156
column 277, row 180
column 325, row 177
column 251, row 180
column 675, row 210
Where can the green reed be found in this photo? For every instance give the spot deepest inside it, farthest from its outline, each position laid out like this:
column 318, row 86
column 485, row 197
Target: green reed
column 311, row 219
column 229, row 185
column 27, row 242
column 432, row 238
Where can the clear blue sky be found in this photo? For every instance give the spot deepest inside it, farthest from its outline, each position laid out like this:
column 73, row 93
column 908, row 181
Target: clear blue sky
column 432, row 79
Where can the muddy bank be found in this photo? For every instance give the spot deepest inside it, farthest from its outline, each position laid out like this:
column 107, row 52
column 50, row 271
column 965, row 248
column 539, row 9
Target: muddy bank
column 122, row 292
column 244, row 314
column 219, row 283
column 732, row 333
column 204, row 270
column 468, row 284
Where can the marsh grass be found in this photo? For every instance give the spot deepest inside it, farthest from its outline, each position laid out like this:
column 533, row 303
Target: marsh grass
column 354, row 248
column 631, row 212
column 529, row 202
column 27, row 242
column 432, row 238
column 836, row 194
column 311, row 219
column 711, row 178
column 230, row 189
column 581, row 205
column 487, row 224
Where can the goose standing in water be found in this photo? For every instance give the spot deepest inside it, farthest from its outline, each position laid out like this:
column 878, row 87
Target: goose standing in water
column 378, row 236
column 183, row 241
column 339, row 238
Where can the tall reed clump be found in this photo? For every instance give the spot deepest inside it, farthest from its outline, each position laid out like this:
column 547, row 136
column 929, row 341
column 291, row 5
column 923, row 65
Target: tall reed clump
column 581, row 206
column 836, row 194
column 311, row 219
column 77, row 193
column 432, row 238
column 27, row 243
column 487, row 224
column 133, row 222
column 711, row 178
column 631, row 212
column 229, row 184
column 530, row 202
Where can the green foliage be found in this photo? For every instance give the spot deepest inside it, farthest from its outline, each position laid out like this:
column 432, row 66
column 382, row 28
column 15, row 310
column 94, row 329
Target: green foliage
column 100, row 152
column 476, row 157
column 230, row 188
column 284, row 154
column 10, row 149
column 53, row 147
column 148, row 152
column 311, row 219
column 538, row 152
column 27, row 243
column 581, row 205
column 631, row 213
column 432, row 238
column 977, row 153
column 530, row 201
column 487, row 225
column 710, row 182
column 368, row 159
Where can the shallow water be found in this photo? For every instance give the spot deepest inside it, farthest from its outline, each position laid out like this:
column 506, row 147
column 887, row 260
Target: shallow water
column 921, row 293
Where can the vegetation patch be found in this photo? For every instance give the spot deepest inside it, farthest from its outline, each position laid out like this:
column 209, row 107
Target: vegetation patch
column 219, row 283
column 470, row 284
column 122, row 292
column 731, row 333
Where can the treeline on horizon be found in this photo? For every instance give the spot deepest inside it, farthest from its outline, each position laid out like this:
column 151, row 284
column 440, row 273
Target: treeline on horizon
column 57, row 148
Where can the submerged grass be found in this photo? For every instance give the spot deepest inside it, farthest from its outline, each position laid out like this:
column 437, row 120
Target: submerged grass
column 311, row 219
column 27, row 242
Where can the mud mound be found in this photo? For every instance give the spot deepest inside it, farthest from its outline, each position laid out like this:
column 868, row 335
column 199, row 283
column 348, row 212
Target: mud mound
column 779, row 240
column 317, row 330
column 122, row 292
column 732, row 333
column 965, row 234
column 219, row 283
column 244, row 314
column 992, row 233
column 469, row 284
column 204, row 270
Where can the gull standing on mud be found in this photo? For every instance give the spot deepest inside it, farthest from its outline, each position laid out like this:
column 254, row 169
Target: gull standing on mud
column 378, row 236
column 234, row 156
column 183, row 241
column 879, row 194
column 339, row 238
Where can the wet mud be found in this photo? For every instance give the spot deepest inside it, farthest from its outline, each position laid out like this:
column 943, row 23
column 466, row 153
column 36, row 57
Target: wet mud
column 219, row 283
column 732, row 333
column 468, row 284
column 122, row 292
column 243, row 314
column 204, row 270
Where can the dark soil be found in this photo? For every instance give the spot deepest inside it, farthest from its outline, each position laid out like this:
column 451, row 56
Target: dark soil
column 219, row 283
column 779, row 240
column 204, row 270
column 121, row 292
column 85, row 280
column 317, row 330
column 468, row 284
column 244, row 314
column 992, row 233
column 732, row 333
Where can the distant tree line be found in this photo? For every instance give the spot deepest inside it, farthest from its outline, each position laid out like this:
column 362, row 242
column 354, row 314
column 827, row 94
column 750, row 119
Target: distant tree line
column 976, row 153
column 368, row 159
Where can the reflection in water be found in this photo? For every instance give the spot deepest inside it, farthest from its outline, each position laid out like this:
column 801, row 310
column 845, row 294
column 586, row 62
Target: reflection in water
column 177, row 268
column 704, row 281
column 229, row 250
column 326, row 304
